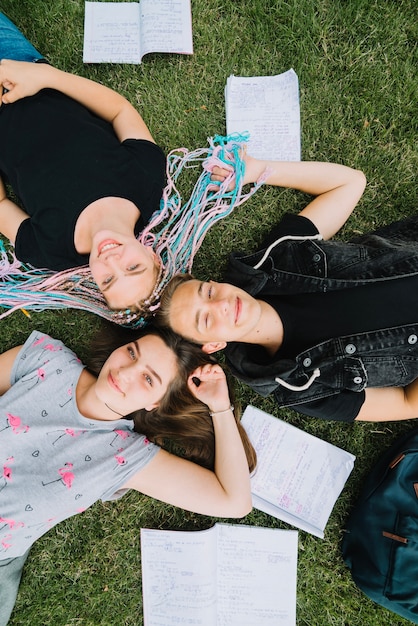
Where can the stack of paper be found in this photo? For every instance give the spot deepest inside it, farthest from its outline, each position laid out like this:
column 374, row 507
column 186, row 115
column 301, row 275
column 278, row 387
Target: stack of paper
column 298, row 476
column 268, row 108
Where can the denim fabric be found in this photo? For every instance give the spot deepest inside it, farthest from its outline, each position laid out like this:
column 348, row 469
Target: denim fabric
column 10, row 575
column 13, row 44
column 381, row 358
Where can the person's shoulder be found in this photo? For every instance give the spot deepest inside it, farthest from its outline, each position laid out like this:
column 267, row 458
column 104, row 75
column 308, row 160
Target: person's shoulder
column 39, row 353
column 290, row 224
column 243, row 269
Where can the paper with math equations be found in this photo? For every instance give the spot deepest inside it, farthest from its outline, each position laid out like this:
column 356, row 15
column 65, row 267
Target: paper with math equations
column 229, row 575
column 298, row 476
column 123, row 32
column 268, row 108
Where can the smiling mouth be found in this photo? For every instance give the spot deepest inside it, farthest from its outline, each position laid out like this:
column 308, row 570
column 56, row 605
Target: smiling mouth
column 113, row 384
column 238, row 307
column 105, row 246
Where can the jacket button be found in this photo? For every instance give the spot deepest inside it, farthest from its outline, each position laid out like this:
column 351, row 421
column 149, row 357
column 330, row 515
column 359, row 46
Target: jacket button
column 307, row 362
column 350, row 348
column 316, row 258
column 412, row 339
column 357, row 380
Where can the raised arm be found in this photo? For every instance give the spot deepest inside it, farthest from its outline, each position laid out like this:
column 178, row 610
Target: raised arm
column 388, row 404
column 24, row 79
column 222, row 493
column 337, row 188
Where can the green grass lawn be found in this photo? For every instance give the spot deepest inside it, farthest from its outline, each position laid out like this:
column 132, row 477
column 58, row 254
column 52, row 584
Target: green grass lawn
column 356, row 62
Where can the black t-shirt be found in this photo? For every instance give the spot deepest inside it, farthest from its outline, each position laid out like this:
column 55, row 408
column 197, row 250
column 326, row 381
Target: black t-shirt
column 59, row 158
column 310, row 318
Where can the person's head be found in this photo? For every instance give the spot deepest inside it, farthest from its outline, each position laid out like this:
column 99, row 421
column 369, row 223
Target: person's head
column 207, row 312
column 176, row 416
column 125, row 270
column 141, row 369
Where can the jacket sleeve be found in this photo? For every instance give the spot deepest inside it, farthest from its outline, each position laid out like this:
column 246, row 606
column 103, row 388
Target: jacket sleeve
column 343, row 407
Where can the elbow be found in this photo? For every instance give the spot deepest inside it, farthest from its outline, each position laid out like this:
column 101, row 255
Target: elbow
column 361, row 180
column 239, row 509
column 245, row 510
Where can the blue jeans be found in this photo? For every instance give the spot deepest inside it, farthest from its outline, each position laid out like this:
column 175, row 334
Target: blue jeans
column 10, row 575
column 13, row 44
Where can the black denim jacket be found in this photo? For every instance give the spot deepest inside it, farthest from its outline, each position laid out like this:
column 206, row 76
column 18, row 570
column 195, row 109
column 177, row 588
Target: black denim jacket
column 386, row 357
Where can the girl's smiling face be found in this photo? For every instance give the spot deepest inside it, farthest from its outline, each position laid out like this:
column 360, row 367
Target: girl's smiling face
column 137, row 375
column 124, row 269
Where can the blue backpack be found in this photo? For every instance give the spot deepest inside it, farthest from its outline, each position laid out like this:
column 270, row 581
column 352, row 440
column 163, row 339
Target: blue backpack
column 380, row 545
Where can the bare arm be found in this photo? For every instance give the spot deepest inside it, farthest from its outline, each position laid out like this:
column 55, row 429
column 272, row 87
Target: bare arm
column 222, row 493
column 11, row 216
column 337, row 188
column 25, row 79
column 390, row 404
column 6, row 364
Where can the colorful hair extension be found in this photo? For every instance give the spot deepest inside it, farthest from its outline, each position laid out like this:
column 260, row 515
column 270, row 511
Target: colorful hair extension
column 175, row 232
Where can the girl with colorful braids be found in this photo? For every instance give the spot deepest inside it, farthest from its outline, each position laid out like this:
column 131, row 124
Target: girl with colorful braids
column 90, row 181
column 66, row 442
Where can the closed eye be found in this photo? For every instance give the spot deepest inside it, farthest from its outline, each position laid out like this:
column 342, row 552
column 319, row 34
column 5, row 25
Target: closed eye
column 107, row 280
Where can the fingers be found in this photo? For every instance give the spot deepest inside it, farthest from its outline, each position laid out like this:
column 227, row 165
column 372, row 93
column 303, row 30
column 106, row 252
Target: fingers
column 220, row 174
column 20, row 79
column 8, row 96
column 208, row 384
column 203, row 376
column 210, row 371
column 7, row 85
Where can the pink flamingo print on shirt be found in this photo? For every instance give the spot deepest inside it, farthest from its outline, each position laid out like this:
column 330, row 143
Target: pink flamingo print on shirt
column 70, row 393
column 120, row 459
column 68, row 431
column 11, row 523
column 49, row 347
column 67, row 476
column 123, row 434
column 15, row 423
column 4, row 543
column 39, row 377
column 7, row 473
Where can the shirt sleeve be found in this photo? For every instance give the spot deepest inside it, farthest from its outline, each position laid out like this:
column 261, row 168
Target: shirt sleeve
column 343, row 407
column 26, row 246
column 290, row 224
column 38, row 349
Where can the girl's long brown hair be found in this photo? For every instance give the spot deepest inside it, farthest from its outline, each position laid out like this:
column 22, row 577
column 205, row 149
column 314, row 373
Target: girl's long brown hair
column 180, row 423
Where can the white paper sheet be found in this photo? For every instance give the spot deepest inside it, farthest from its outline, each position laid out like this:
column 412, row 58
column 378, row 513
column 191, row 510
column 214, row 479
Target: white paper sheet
column 298, row 477
column 268, row 108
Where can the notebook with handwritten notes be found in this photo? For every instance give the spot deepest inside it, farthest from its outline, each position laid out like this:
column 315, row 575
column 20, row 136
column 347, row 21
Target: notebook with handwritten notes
column 298, row 476
column 123, row 32
column 229, row 574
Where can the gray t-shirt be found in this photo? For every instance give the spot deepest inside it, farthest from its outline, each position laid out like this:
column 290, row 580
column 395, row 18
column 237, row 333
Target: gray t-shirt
column 56, row 463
